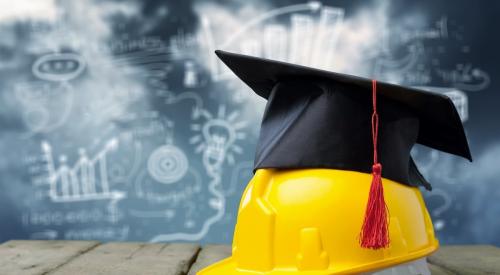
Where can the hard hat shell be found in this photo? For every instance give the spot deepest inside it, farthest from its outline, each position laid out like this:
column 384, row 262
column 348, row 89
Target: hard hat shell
column 307, row 222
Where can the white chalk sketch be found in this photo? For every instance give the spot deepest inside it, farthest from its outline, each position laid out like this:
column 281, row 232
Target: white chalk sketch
column 47, row 234
column 139, row 66
column 58, row 67
column 216, row 138
column 164, row 200
column 98, row 233
column 173, row 188
column 87, row 180
column 168, row 182
column 392, row 68
column 190, row 75
column 440, row 30
column 81, row 216
column 80, row 87
column 459, row 98
column 400, row 56
column 312, row 26
column 445, row 202
column 465, row 77
column 182, row 43
column 167, row 164
column 167, row 214
column 119, row 173
column 44, row 106
column 171, row 99
column 439, row 224
column 147, row 57
column 218, row 203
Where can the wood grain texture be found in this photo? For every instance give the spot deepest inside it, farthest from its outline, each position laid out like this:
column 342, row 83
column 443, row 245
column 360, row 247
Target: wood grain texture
column 209, row 255
column 89, row 257
column 133, row 258
column 39, row 257
column 468, row 260
column 436, row 270
column 213, row 253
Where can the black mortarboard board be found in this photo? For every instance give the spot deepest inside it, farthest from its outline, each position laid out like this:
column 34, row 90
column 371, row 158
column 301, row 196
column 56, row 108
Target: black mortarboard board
column 321, row 119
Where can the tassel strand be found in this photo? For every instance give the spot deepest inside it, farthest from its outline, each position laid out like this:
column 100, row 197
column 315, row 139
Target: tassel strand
column 375, row 230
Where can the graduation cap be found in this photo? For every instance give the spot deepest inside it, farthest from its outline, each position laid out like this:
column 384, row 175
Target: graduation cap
column 321, row 119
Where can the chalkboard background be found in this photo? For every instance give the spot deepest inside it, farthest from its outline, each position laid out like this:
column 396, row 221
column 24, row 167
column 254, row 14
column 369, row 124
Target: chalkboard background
column 118, row 122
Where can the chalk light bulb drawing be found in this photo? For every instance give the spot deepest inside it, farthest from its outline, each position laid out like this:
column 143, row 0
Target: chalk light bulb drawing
column 217, row 136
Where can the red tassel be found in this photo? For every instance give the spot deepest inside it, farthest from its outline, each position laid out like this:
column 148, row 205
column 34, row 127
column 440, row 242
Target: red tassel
column 375, row 230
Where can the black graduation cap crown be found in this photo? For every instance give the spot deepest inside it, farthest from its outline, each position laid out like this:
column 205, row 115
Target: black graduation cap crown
column 321, row 119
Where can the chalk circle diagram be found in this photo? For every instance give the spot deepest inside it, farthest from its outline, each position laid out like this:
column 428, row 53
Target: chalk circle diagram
column 167, row 164
column 58, row 67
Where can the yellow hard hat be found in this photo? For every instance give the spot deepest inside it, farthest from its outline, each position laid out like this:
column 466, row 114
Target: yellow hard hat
column 313, row 206
column 307, row 221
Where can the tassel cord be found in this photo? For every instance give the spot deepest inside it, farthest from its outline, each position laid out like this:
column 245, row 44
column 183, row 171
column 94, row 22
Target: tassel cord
column 375, row 230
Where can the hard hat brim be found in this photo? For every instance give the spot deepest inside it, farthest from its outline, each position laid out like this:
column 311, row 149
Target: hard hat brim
column 228, row 266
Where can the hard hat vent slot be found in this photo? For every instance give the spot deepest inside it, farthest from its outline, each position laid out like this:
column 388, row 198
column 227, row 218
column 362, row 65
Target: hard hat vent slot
column 311, row 255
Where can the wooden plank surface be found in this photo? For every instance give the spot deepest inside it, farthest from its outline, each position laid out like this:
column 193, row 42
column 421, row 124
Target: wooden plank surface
column 133, row 258
column 468, row 260
column 437, row 270
column 213, row 253
column 88, row 257
column 209, row 255
column 449, row 260
column 39, row 257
